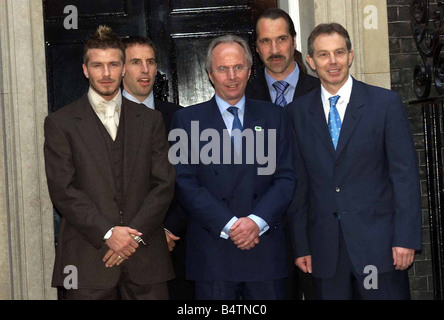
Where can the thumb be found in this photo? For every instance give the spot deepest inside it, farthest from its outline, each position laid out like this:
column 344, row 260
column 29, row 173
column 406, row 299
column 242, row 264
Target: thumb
column 134, row 231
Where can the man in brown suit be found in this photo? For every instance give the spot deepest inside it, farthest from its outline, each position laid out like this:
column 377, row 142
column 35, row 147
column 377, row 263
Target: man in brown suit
column 109, row 176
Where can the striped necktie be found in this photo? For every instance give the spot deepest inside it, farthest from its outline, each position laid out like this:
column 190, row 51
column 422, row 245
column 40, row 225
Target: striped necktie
column 280, row 87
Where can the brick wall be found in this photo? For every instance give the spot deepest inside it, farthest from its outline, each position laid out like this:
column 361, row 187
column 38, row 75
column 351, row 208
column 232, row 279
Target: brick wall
column 404, row 57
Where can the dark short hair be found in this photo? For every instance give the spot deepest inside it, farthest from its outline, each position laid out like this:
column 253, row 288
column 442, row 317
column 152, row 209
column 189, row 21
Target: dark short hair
column 103, row 38
column 327, row 28
column 276, row 13
column 140, row 40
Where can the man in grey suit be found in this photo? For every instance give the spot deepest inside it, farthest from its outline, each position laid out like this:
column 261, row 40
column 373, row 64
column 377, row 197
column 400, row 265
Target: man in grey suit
column 109, row 177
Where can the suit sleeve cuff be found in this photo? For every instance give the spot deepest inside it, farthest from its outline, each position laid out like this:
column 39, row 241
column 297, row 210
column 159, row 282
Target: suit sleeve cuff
column 226, row 230
column 263, row 226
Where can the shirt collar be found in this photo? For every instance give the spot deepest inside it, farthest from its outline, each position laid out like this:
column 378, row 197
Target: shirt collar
column 95, row 99
column 344, row 92
column 223, row 105
column 291, row 79
column 149, row 101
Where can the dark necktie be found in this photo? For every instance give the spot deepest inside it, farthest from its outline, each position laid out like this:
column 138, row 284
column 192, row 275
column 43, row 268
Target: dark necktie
column 280, row 87
column 334, row 120
column 236, row 125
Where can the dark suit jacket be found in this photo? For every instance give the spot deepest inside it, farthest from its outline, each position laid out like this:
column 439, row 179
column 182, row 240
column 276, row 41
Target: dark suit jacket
column 166, row 109
column 80, row 184
column 371, row 182
column 212, row 194
column 257, row 87
column 176, row 218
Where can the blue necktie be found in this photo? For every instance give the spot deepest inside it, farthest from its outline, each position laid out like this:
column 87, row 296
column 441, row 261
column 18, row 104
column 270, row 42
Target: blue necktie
column 236, row 125
column 334, row 120
column 280, row 87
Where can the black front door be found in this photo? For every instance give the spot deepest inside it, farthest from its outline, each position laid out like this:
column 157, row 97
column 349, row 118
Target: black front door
column 181, row 30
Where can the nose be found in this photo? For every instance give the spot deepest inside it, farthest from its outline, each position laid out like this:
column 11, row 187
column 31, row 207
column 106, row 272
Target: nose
column 275, row 47
column 332, row 59
column 231, row 73
column 144, row 67
column 106, row 71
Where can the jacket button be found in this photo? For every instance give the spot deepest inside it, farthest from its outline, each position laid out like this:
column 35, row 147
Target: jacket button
column 338, row 189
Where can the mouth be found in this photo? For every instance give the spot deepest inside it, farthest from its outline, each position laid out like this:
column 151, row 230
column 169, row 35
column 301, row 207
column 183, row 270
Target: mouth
column 144, row 81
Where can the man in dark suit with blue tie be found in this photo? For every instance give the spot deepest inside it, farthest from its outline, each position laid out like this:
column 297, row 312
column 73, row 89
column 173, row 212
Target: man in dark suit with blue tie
column 283, row 78
column 235, row 240
column 356, row 215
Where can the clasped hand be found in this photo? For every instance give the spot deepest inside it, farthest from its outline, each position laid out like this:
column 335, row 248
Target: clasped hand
column 121, row 246
column 244, row 233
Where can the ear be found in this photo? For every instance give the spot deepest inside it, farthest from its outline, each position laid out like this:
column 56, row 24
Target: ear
column 310, row 62
column 85, row 70
column 351, row 57
column 123, row 70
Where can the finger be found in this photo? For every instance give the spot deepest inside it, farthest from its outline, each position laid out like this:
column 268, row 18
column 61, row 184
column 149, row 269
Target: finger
column 308, row 262
column 134, row 231
column 108, row 254
column 112, row 260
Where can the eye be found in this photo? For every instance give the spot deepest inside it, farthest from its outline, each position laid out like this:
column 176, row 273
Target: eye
column 264, row 41
column 221, row 69
column 151, row 62
column 238, row 67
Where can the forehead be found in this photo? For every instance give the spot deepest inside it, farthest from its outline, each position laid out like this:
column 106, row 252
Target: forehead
column 140, row 50
column 228, row 52
column 329, row 42
column 104, row 55
column 268, row 27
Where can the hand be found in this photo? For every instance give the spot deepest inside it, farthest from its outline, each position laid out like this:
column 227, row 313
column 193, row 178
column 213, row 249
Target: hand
column 402, row 257
column 171, row 238
column 122, row 243
column 244, row 233
column 111, row 259
column 304, row 263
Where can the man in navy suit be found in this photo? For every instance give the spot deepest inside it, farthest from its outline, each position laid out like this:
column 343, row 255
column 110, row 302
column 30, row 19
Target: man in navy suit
column 235, row 240
column 138, row 83
column 356, row 214
column 276, row 46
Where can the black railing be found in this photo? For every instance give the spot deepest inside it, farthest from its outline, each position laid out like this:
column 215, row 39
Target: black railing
column 433, row 110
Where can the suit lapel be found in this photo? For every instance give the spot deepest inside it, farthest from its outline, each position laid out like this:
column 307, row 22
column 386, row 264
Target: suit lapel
column 90, row 133
column 133, row 138
column 352, row 116
column 317, row 117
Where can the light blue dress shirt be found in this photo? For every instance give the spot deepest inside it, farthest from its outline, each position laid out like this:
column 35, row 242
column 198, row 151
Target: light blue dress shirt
column 149, row 101
column 228, row 119
column 292, row 79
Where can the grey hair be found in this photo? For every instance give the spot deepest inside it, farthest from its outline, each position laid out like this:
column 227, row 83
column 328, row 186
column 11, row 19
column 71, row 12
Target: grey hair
column 229, row 38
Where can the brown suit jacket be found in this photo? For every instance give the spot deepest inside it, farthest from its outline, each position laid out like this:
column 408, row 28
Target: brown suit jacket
column 81, row 188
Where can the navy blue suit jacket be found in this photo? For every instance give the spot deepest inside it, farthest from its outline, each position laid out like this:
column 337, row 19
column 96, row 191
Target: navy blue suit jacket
column 371, row 182
column 212, row 194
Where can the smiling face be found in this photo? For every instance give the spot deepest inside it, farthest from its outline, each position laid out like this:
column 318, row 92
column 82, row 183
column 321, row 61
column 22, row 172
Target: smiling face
column 104, row 70
column 276, row 47
column 331, row 60
column 229, row 72
column 141, row 70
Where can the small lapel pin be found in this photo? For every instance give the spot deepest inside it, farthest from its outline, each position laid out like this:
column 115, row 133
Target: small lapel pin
column 258, row 128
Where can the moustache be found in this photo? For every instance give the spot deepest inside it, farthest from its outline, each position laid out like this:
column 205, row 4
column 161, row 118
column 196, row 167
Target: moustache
column 275, row 56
